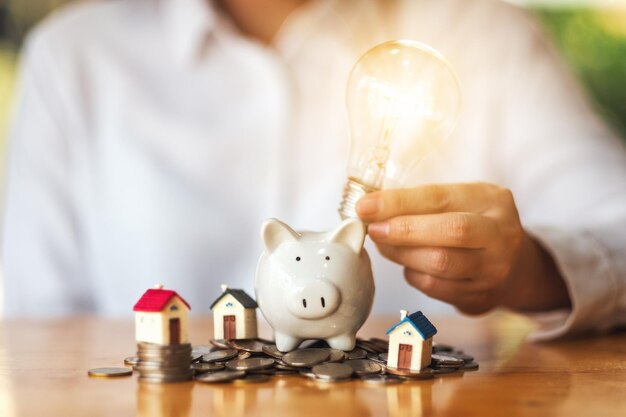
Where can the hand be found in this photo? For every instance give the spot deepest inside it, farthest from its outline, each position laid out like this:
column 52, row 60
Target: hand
column 463, row 244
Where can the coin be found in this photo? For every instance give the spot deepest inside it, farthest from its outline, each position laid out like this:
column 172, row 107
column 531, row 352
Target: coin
column 164, row 363
column 272, row 351
column 131, row 360
column 109, row 372
column 425, row 373
column 384, row 356
column 364, row 367
column 445, row 366
column 357, row 353
column 306, row 358
column 381, row 379
column 221, row 376
column 284, row 367
column 460, row 355
column 439, row 360
column 470, row 366
column 220, row 343
column 161, row 366
column 143, row 356
column 249, row 364
column 247, row 345
column 172, row 356
column 336, row 355
column 244, row 355
column 219, row 356
column 164, row 372
column 157, row 355
column 332, row 371
column 207, row 367
column 146, row 346
column 374, row 357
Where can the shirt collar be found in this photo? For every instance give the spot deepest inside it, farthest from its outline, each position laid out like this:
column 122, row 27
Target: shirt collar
column 188, row 24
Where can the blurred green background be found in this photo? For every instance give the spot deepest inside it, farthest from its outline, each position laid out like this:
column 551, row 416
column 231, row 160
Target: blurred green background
column 593, row 40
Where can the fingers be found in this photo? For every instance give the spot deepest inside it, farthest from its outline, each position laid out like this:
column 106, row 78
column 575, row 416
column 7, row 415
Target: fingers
column 456, row 241
column 440, row 288
column 456, row 230
column 459, row 293
column 426, row 199
column 451, row 263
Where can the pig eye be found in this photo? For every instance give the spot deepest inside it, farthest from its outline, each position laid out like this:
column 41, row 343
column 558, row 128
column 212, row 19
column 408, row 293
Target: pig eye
column 298, row 258
column 328, row 258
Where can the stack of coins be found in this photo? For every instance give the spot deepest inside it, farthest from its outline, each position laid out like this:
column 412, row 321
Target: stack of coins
column 164, row 363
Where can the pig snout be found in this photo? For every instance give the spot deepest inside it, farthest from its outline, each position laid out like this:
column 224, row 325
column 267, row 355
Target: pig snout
column 313, row 300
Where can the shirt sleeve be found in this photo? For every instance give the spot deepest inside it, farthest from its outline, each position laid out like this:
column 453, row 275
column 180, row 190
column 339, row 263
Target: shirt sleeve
column 567, row 170
column 41, row 235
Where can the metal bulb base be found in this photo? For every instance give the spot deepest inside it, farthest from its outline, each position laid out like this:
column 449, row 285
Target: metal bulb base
column 352, row 192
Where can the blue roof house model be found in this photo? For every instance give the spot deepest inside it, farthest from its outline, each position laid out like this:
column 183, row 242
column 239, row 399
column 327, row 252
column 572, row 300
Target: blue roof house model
column 410, row 342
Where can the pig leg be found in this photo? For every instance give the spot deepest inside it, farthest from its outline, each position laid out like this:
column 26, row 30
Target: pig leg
column 343, row 342
column 286, row 343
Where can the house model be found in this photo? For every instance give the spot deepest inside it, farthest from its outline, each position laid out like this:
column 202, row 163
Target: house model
column 234, row 315
column 411, row 342
column 161, row 317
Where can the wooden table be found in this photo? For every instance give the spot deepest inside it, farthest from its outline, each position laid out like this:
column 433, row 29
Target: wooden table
column 43, row 372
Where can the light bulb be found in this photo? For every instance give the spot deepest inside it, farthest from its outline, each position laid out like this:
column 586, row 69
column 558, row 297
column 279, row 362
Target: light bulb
column 403, row 99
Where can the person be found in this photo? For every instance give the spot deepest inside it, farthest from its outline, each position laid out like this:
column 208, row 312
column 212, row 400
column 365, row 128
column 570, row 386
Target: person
column 152, row 137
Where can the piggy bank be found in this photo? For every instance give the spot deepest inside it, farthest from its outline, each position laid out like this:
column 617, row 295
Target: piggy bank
column 312, row 285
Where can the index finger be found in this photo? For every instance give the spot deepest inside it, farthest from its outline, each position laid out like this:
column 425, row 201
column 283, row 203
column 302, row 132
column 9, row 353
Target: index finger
column 423, row 199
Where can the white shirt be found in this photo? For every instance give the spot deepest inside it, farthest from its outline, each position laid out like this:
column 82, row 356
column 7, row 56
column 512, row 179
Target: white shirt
column 152, row 139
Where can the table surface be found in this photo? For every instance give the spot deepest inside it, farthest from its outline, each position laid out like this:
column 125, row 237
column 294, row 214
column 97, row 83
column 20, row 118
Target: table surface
column 43, row 372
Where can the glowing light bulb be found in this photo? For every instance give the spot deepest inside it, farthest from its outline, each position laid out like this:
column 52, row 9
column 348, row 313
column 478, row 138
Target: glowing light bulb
column 403, row 99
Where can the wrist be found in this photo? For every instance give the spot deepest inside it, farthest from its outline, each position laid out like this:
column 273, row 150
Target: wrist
column 534, row 283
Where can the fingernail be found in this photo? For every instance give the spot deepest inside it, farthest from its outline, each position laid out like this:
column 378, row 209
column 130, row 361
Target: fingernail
column 367, row 206
column 378, row 229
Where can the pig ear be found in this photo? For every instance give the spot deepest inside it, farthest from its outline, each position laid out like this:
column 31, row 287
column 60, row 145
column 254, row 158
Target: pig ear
column 351, row 233
column 274, row 232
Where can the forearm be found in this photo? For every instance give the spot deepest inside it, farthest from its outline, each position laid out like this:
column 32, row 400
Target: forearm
column 534, row 283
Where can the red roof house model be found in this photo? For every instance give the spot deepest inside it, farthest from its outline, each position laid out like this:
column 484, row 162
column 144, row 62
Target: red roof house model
column 154, row 300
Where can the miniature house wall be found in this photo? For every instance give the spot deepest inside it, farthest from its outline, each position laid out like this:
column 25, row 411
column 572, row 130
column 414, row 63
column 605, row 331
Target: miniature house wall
column 420, row 349
column 165, row 327
column 229, row 313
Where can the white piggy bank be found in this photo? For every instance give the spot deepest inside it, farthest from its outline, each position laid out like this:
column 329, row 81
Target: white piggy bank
column 314, row 285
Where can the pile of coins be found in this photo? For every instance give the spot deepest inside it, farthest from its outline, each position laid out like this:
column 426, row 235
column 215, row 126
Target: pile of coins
column 257, row 360
column 163, row 363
